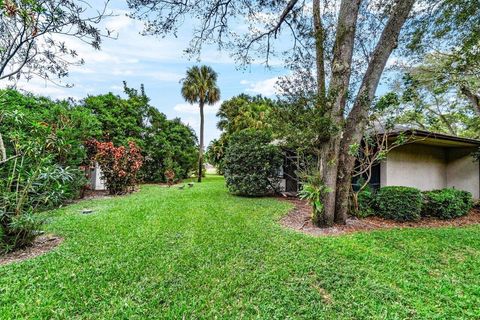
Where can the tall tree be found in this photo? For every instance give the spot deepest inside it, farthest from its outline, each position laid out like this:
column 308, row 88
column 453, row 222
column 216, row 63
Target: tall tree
column 343, row 46
column 236, row 114
column 200, row 86
column 434, row 105
column 33, row 36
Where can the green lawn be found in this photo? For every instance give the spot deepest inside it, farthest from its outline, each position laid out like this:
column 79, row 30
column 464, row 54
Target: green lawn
column 201, row 253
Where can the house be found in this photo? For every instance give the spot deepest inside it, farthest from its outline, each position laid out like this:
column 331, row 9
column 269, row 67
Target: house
column 94, row 177
column 428, row 161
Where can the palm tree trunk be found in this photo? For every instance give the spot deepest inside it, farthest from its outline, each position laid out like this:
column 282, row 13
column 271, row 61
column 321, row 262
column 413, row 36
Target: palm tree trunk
column 200, row 149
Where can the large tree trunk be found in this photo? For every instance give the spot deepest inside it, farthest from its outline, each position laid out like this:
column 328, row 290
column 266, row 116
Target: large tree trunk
column 200, row 148
column 335, row 104
column 356, row 121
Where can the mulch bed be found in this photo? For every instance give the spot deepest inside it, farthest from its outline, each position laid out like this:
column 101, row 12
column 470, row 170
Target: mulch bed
column 40, row 246
column 299, row 219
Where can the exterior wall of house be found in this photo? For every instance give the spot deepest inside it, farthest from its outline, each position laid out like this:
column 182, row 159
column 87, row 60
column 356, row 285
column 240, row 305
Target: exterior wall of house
column 96, row 180
column 463, row 172
column 415, row 165
column 431, row 167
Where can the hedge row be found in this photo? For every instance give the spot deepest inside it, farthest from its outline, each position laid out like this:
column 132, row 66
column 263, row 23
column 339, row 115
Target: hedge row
column 410, row 204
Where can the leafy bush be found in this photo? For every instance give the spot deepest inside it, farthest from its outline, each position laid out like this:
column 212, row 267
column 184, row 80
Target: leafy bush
column 399, row 203
column 251, row 163
column 366, row 204
column 119, row 165
column 34, row 174
column 55, row 185
column 447, row 203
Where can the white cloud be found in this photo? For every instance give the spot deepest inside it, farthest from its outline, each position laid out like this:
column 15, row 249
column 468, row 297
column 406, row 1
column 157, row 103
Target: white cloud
column 165, row 76
column 192, row 122
column 119, row 22
column 43, row 88
column 193, row 109
column 267, row 87
column 116, row 88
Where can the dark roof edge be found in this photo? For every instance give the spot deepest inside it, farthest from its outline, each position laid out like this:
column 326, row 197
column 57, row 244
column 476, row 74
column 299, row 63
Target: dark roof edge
column 440, row 136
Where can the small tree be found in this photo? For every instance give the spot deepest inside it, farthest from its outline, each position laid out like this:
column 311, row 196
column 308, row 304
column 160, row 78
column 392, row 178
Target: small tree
column 375, row 146
column 119, row 165
column 200, row 86
column 251, row 163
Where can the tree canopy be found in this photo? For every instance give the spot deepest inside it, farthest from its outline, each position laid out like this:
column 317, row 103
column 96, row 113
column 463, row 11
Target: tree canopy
column 33, row 36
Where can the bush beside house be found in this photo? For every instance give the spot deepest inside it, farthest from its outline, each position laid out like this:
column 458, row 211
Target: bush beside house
column 410, row 204
column 399, row 203
column 447, row 203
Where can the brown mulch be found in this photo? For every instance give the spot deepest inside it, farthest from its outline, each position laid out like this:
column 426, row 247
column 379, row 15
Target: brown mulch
column 40, row 246
column 299, row 219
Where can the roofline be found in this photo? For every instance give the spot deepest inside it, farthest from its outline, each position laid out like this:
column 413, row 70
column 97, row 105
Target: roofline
column 440, row 136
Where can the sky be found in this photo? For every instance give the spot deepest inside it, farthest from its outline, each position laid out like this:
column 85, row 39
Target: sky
column 159, row 64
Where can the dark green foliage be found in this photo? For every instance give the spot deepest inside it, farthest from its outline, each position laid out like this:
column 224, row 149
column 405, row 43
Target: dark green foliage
column 447, row 203
column 399, row 203
column 366, row 204
column 237, row 114
column 251, row 163
column 216, row 152
column 68, row 124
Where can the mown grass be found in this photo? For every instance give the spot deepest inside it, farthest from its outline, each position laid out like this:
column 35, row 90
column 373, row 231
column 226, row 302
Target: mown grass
column 200, row 253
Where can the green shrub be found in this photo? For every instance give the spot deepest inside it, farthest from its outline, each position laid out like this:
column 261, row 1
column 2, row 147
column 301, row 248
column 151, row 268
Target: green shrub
column 366, row 204
column 399, row 203
column 251, row 163
column 313, row 190
column 447, row 203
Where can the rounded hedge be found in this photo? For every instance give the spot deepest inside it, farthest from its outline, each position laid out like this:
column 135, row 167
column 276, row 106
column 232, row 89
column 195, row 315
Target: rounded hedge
column 251, row 163
column 447, row 203
column 399, row 203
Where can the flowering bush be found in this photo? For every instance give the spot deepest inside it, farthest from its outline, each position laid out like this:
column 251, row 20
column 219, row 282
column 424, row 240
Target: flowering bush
column 119, row 165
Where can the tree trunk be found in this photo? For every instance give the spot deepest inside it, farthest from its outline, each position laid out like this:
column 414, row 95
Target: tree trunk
column 3, row 151
column 357, row 118
column 200, row 148
column 472, row 97
column 335, row 104
column 328, row 169
column 319, row 34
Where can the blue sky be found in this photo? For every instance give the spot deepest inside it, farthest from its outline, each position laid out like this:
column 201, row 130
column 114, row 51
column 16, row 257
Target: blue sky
column 158, row 63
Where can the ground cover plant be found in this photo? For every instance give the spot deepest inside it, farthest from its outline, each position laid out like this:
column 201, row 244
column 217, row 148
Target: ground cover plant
column 202, row 253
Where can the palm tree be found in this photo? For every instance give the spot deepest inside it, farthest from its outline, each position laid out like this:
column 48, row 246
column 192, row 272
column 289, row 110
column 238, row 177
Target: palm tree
column 200, row 86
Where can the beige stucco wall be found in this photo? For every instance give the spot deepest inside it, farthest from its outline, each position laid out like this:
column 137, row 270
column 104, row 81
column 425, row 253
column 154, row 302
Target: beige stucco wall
column 96, row 181
column 431, row 167
column 414, row 165
column 463, row 172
